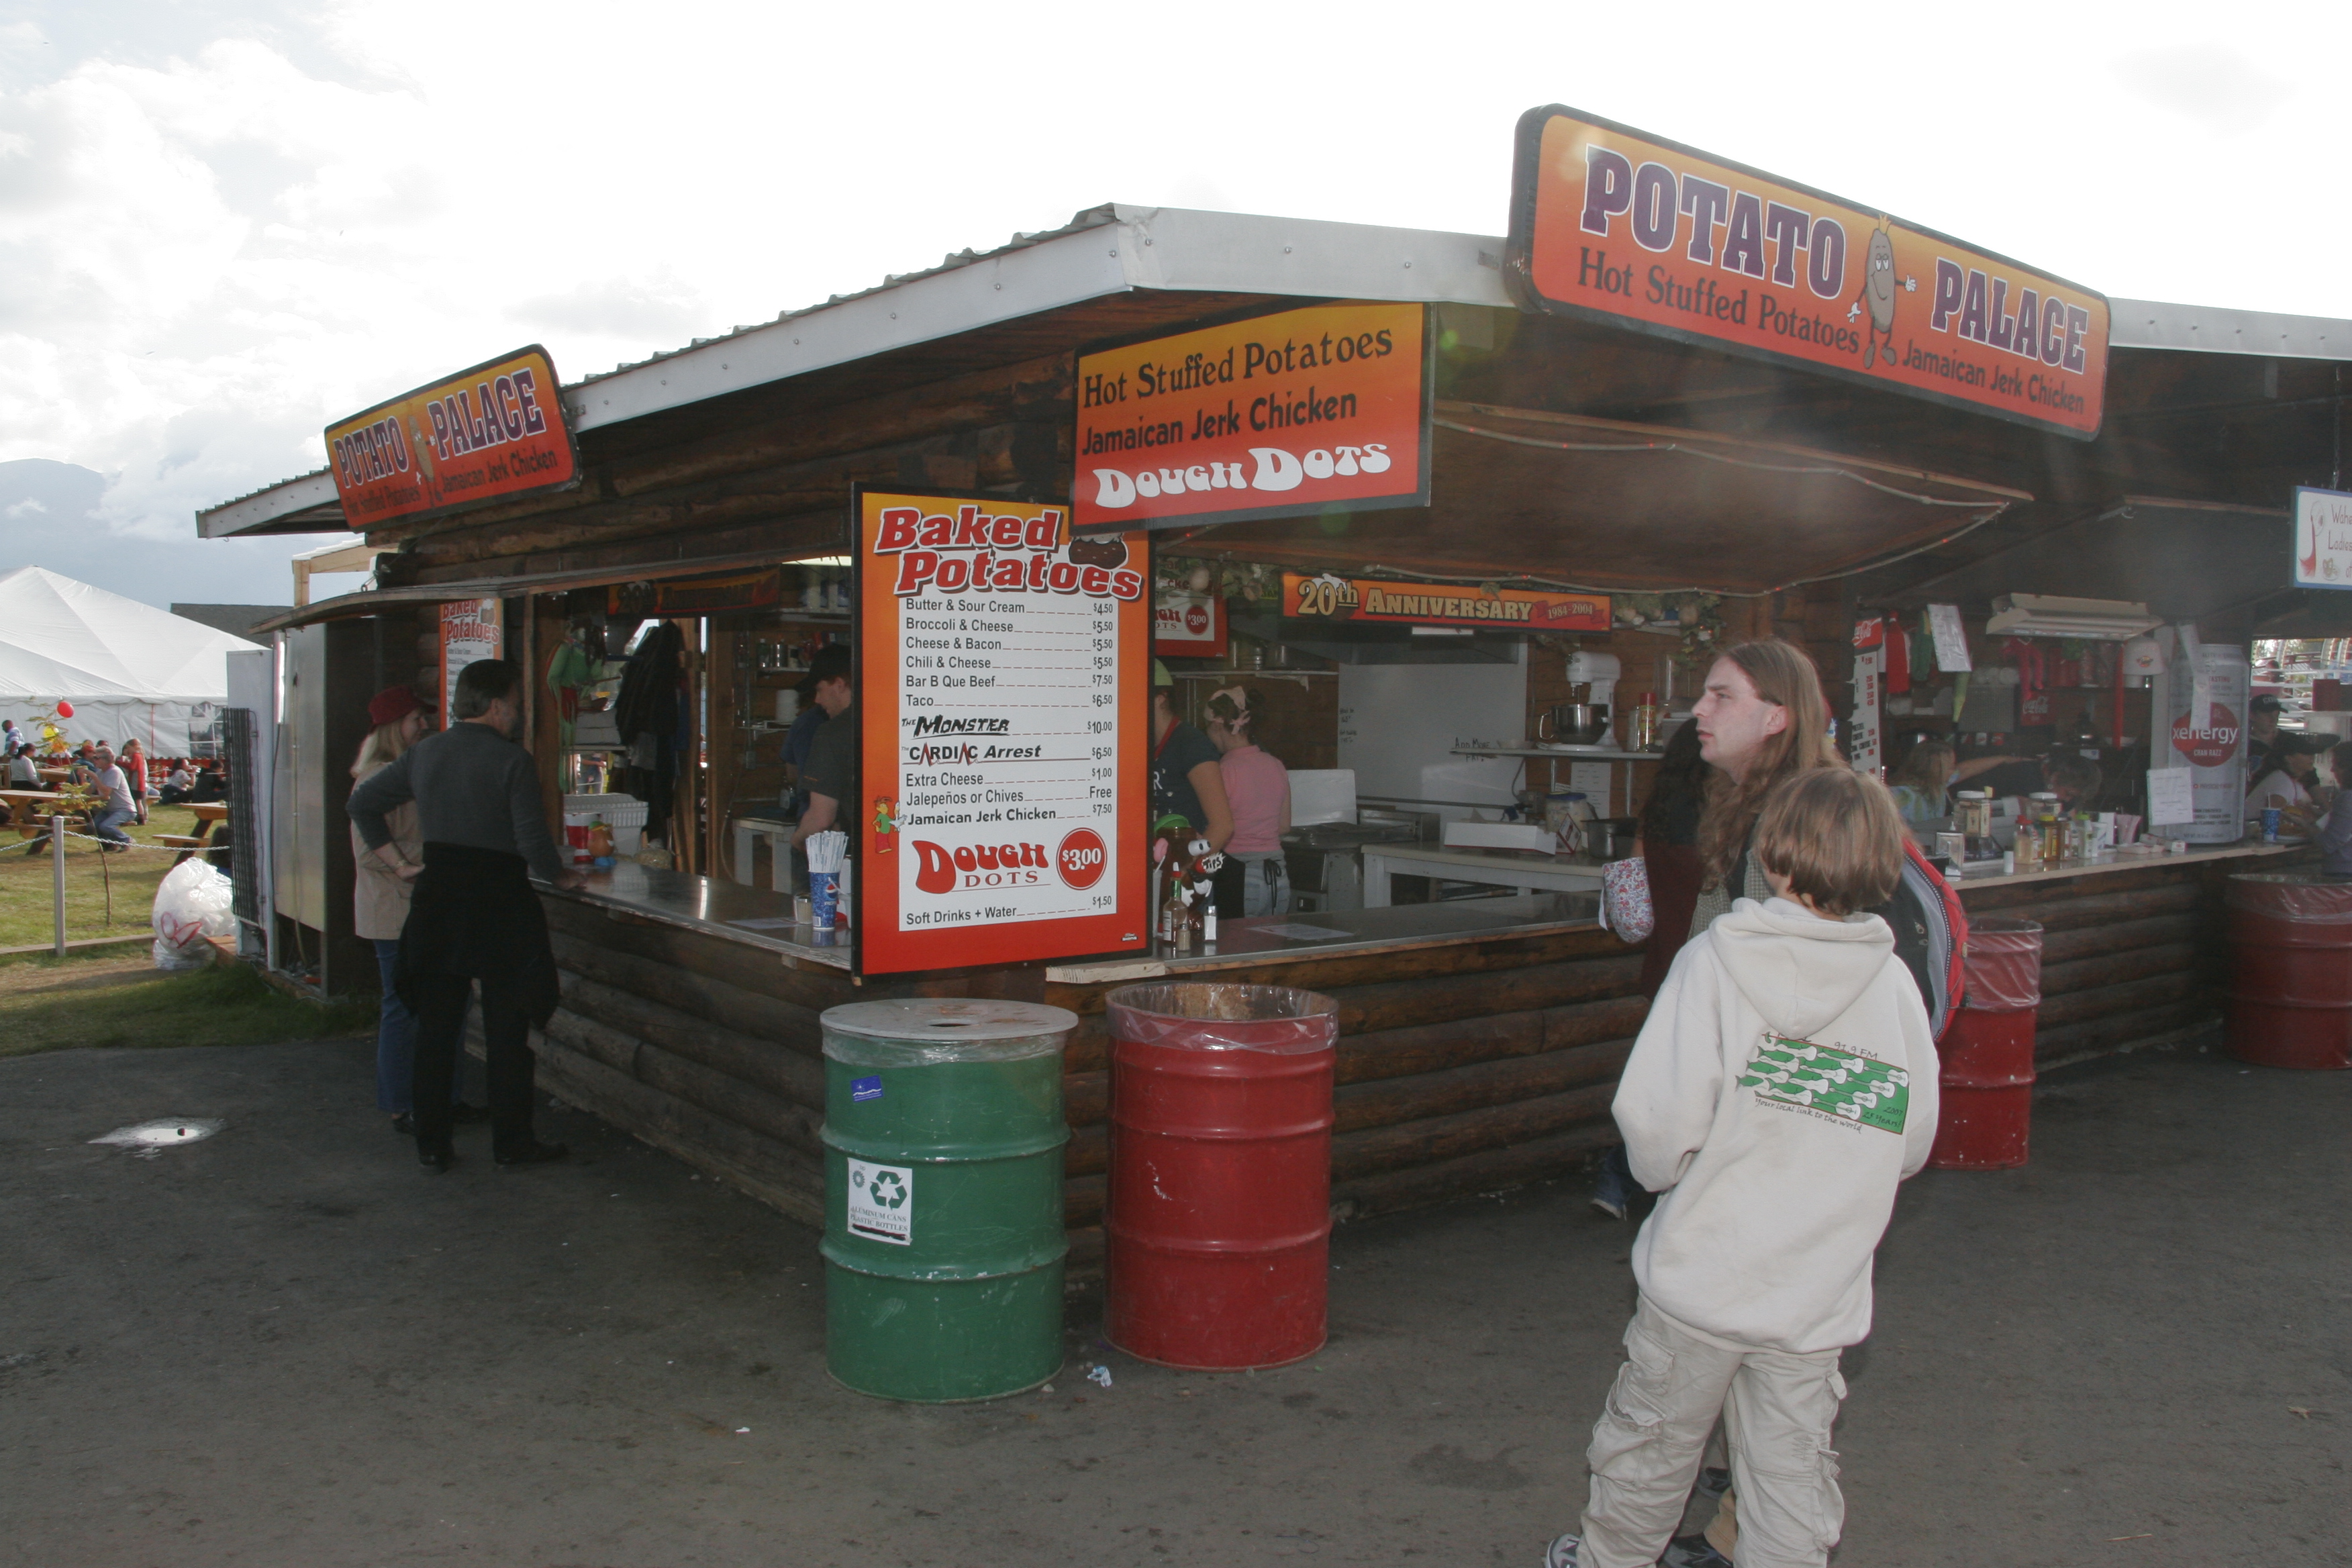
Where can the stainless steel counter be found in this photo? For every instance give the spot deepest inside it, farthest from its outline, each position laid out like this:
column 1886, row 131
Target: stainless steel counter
column 1331, row 933
column 2113, row 862
column 713, row 906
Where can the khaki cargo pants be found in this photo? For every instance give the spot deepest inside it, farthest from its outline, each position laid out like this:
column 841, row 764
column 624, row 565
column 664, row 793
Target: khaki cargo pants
column 1777, row 1410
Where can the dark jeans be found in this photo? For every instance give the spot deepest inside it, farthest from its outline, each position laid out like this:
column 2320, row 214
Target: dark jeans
column 440, row 1035
column 108, row 824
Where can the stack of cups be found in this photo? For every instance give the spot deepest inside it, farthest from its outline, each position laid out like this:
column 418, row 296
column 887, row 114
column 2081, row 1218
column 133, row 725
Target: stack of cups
column 828, row 857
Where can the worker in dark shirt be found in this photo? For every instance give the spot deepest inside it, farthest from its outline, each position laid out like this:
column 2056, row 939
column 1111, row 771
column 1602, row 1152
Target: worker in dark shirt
column 474, row 916
column 1187, row 779
column 831, row 775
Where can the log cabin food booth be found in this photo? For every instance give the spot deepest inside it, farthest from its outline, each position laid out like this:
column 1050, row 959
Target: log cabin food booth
column 1468, row 515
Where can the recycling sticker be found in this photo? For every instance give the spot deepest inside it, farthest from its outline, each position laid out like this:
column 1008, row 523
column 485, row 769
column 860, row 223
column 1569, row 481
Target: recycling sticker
column 1831, row 1079
column 882, row 1203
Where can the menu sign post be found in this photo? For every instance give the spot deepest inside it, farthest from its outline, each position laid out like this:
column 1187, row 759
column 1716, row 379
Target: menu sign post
column 491, row 432
column 1318, row 410
column 1613, row 225
column 1004, row 688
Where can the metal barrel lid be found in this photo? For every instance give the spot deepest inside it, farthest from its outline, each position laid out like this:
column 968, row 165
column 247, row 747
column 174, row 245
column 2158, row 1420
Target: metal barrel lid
column 947, row 1020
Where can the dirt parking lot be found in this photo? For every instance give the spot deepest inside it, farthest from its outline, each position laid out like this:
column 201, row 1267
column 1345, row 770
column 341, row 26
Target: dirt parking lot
column 288, row 1345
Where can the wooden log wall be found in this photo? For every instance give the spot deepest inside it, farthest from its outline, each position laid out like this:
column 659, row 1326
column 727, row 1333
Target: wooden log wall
column 2128, row 958
column 1461, row 1068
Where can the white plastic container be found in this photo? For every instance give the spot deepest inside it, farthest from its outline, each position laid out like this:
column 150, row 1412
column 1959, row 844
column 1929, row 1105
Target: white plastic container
column 623, row 814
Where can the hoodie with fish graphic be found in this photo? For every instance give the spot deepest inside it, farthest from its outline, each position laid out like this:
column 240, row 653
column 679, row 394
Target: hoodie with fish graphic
column 1783, row 1087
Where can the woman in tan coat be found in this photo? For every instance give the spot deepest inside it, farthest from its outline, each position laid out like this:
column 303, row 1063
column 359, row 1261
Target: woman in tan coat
column 380, row 903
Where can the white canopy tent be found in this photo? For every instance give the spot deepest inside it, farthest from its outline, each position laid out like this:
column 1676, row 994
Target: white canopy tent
column 130, row 670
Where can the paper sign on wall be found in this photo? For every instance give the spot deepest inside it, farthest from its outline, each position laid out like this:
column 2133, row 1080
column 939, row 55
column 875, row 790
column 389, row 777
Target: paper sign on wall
column 2322, row 538
column 470, row 629
column 1951, row 640
column 1862, row 745
column 2171, row 797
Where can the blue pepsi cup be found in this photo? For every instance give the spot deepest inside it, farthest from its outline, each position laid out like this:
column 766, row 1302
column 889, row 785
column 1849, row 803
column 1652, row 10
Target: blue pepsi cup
column 824, row 894
column 2270, row 824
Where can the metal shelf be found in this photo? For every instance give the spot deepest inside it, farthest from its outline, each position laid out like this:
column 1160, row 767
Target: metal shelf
column 1558, row 755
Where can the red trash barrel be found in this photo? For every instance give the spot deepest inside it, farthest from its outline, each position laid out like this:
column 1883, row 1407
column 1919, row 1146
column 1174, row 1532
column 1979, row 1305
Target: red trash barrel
column 1217, row 1226
column 2291, row 974
column 1987, row 1080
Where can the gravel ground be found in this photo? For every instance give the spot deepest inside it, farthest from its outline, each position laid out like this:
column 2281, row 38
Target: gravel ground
column 288, row 1345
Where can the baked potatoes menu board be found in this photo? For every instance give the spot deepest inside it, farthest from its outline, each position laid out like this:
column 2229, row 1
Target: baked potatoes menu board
column 1003, row 703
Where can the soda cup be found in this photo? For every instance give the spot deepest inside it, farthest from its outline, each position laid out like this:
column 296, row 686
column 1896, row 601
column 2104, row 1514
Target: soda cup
column 824, row 889
column 2270, row 824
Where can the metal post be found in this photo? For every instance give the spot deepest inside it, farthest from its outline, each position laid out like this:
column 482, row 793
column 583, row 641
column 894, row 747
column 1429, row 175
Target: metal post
column 57, row 876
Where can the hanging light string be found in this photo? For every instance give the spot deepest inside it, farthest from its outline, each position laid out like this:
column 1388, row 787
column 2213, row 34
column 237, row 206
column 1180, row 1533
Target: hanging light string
column 1725, row 458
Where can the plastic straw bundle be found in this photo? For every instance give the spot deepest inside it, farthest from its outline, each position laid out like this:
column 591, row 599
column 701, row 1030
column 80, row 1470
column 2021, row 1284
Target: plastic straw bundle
column 827, row 851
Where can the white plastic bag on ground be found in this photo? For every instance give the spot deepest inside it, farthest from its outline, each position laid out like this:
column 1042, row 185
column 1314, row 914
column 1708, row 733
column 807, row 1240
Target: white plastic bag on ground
column 193, row 902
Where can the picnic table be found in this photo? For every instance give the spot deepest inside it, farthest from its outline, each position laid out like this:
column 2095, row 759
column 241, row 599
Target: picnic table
column 208, row 814
column 30, row 810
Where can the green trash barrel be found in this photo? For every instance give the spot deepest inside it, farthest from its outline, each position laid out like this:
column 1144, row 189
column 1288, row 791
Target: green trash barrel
column 944, row 1241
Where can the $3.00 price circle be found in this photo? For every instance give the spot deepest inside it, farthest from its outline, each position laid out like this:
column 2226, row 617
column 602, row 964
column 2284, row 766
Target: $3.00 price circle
column 1081, row 857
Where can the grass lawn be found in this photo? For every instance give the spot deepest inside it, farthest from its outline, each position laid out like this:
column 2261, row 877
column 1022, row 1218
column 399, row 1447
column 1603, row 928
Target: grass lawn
column 120, row 1000
column 26, row 914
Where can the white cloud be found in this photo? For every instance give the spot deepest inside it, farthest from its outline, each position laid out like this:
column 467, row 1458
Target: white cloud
column 222, row 225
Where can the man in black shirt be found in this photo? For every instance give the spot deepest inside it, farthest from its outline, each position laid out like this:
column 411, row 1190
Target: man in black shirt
column 474, row 916
column 832, row 772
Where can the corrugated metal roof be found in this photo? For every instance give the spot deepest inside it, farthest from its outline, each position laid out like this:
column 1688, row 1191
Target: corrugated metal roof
column 2212, row 328
column 1110, row 248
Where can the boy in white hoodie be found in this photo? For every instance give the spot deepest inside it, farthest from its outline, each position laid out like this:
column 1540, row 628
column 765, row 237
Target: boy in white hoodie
column 1783, row 1087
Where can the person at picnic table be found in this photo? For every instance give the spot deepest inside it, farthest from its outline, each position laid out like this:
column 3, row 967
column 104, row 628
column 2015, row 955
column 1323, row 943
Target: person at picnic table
column 24, row 772
column 115, row 806
column 82, row 766
column 177, row 782
column 134, row 762
column 209, row 787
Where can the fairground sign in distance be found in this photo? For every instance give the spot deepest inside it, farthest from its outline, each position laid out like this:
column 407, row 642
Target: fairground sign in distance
column 1322, row 409
column 491, row 432
column 1611, row 224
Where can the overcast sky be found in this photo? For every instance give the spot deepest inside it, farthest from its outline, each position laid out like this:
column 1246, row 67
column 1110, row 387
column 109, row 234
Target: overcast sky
column 224, row 222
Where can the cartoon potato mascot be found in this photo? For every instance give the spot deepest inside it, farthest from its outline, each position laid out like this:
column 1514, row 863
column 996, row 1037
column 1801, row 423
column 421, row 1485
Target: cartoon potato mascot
column 1878, row 288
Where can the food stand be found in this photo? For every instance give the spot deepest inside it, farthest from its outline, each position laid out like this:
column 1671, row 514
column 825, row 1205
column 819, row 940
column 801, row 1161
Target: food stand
column 1523, row 487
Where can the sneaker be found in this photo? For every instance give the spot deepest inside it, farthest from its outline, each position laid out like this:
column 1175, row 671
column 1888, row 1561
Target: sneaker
column 1608, row 1204
column 1692, row 1551
column 1561, row 1552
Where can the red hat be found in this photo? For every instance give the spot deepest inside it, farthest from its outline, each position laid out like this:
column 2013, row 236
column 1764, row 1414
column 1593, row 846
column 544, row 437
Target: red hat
column 391, row 705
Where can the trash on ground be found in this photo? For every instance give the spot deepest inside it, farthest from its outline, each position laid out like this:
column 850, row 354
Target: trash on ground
column 192, row 904
column 1099, row 1374
column 149, row 1139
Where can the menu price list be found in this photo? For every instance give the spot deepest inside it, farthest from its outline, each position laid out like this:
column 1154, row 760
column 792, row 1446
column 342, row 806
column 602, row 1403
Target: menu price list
column 1009, row 727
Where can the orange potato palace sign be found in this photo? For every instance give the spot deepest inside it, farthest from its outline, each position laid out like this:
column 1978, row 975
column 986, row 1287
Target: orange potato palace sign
column 491, row 432
column 1612, row 224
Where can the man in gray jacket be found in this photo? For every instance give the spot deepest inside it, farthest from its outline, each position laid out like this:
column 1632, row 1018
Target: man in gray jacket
column 475, row 916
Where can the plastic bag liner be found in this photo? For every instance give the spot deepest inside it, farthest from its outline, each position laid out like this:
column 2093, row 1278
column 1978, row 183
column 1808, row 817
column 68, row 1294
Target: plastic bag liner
column 2003, row 966
column 194, row 901
column 927, row 1031
column 1203, row 1016
column 2295, row 897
